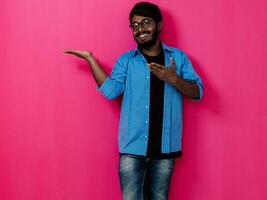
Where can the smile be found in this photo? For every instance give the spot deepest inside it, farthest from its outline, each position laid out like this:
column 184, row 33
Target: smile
column 143, row 35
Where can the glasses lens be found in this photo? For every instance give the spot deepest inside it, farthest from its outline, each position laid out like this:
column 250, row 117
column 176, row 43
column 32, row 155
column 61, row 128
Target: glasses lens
column 146, row 23
column 134, row 26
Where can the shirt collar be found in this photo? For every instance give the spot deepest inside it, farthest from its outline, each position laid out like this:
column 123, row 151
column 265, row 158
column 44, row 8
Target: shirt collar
column 165, row 48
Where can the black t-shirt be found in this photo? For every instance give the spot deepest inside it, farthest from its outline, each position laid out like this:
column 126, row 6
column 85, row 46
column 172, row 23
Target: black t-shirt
column 156, row 113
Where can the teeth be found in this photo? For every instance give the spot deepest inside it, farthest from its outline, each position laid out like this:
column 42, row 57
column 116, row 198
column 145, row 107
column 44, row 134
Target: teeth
column 143, row 35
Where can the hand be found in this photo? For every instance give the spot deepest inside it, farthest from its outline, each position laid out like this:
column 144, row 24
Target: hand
column 82, row 54
column 164, row 73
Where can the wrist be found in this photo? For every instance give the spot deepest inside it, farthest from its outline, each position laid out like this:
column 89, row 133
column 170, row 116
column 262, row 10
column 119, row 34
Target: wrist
column 175, row 80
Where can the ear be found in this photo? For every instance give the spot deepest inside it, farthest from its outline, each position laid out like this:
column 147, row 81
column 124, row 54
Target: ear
column 159, row 26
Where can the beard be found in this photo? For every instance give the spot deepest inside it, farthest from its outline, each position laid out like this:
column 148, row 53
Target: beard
column 149, row 43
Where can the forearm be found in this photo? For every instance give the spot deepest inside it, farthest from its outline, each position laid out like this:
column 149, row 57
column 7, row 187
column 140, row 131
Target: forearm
column 188, row 89
column 98, row 73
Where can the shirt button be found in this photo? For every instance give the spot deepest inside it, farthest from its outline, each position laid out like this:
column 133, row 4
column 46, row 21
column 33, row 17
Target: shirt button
column 146, row 121
column 145, row 136
column 147, row 77
column 146, row 106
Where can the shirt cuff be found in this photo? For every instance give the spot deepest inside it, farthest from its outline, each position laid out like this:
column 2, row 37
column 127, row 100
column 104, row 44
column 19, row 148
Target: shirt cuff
column 106, row 86
column 200, row 89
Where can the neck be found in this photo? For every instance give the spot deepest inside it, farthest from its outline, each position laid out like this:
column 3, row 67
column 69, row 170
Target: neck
column 154, row 50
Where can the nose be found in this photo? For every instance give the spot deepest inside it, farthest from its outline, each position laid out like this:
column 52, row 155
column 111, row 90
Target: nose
column 140, row 29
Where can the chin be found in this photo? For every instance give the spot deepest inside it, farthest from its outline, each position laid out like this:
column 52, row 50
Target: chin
column 146, row 44
column 149, row 42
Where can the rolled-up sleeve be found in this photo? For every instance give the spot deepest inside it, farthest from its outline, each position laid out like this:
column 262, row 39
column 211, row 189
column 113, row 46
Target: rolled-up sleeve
column 114, row 84
column 188, row 73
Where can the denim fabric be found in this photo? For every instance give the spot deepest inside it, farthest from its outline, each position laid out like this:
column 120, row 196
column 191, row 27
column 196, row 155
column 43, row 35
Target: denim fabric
column 130, row 76
column 144, row 179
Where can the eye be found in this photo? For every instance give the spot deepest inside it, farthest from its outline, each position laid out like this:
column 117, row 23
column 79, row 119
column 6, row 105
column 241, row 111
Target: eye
column 134, row 26
column 146, row 23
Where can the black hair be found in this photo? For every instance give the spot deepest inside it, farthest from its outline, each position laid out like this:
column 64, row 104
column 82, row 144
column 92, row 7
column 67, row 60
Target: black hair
column 146, row 9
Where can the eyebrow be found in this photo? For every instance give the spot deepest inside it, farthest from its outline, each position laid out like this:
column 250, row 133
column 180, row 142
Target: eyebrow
column 141, row 20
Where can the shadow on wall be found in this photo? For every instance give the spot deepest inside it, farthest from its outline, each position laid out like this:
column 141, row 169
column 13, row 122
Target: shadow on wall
column 185, row 182
column 170, row 35
column 214, row 105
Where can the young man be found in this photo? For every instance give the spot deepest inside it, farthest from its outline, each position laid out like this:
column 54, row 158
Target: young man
column 152, row 79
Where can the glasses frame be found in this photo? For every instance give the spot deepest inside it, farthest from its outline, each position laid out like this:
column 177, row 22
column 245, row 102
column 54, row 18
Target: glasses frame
column 142, row 24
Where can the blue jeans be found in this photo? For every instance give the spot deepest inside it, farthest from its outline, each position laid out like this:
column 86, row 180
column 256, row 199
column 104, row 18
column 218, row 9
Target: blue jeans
column 142, row 178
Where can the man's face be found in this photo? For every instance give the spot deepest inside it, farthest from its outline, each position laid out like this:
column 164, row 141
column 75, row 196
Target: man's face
column 146, row 35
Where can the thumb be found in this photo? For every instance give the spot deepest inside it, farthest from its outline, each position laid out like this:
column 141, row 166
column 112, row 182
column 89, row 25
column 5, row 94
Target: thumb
column 172, row 62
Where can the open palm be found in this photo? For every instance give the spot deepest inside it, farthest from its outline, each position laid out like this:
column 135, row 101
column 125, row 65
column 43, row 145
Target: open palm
column 79, row 53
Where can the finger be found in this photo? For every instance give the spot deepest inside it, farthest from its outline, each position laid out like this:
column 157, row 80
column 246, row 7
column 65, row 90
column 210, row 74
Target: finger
column 155, row 68
column 158, row 74
column 172, row 62
column 74, row 52
column 159, row 66
column 70, row 51
column 67, row 50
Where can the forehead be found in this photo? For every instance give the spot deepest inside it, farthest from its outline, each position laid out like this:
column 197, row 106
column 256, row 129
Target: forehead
column 138, row 18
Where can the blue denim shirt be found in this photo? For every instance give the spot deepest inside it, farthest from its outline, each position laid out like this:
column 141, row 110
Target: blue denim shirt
column 130, row 76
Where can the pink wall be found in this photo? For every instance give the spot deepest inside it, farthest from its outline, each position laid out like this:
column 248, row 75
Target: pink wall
column 58, row 135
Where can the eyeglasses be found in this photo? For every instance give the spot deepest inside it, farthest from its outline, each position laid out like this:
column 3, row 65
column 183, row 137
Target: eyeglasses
column 145, row 23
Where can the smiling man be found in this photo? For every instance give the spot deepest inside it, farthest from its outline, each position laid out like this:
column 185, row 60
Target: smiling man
column 152, row 78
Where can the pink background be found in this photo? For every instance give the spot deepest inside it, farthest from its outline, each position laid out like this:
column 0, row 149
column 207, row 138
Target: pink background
column 58, row 135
